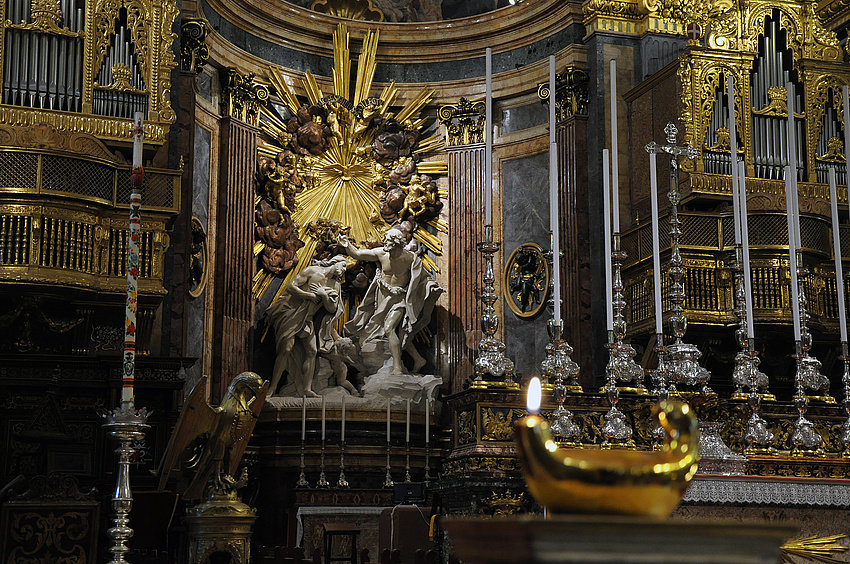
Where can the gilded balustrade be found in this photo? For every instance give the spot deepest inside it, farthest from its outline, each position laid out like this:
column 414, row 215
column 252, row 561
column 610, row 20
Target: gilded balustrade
column 707, row 249
column 64, row 221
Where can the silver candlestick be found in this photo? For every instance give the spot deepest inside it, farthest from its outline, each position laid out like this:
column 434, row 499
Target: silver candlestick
column 388, row 479
column 562, row 370
column 492, row 367
column 660, row 379
column 845, row 429
column 125, row 425
column 615, row 430
column 625, row 368
column 804, row 438
column 342, row 482
column 323, row 481
column 746, row 372
column 407, row 461
column 302, row 478
column 682, row 357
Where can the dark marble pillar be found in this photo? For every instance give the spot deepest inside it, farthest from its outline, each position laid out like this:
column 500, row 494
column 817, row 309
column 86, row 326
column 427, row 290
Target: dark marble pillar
column 600, row 49
column 232, row 311
column 575, row 238
column 466, row 229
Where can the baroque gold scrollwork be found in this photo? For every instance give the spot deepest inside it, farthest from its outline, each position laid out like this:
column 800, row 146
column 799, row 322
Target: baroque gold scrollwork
column 464, row 122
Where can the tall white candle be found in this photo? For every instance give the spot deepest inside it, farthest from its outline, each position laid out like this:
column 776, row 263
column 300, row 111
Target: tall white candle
column 488, row 138
column 428, row 419
column 836, row 250
column 656, row 254
column 606, row 211
column 407, row 424
column 303, row 417
column 342, row 423
column 388, row 420
column 615, row 157
column 792, row 162
column 553, row 196
column 745, row 241
column 792, row 253
column 733, row 147
column 323, row 418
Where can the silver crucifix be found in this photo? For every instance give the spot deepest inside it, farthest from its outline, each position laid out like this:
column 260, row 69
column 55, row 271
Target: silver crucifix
column 682, row 357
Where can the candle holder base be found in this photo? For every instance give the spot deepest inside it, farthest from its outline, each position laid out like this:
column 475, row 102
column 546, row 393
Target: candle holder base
column 126, row 425
column 823, row 399
column 745, row 396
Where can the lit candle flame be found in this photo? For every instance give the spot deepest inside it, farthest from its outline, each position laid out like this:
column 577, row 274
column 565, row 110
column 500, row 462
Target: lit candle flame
column 533, row 398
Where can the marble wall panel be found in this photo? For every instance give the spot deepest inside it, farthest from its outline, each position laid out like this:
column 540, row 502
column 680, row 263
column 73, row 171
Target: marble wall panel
column 525, row 182
column 523, row 117
column 200, row 209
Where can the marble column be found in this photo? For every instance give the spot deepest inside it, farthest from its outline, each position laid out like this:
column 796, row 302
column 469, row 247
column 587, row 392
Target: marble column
column 571, row 135
column 465, row 124
column 232, row 304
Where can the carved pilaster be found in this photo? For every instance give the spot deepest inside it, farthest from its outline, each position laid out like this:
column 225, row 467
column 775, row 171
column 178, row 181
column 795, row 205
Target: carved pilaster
column 193, row 45
column 241, row 97
column 466, row 221
column 233, row 304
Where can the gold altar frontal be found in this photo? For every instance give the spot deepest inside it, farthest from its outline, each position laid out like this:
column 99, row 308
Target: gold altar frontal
column 220, row 526
column 601, row 539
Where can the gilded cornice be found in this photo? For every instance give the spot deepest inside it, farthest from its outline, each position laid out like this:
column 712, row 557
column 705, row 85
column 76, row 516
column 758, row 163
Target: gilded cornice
column 508, row 84
column 833, row 12
column 307, row 31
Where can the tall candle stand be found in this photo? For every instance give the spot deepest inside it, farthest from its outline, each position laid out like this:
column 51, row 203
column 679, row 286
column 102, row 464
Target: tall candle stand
column 126, row 425
column 323, row 481
column 660, row 379
column 302, row 478
column 746, row 361
column 683, row 356
column 427, row 460
column 804, row 438
column 388, row 479
column 562, row 370
column 492, row 367
column 626, row 370
column 757, row 436
column 845, row 429
column 342, row 482
column 407, row 461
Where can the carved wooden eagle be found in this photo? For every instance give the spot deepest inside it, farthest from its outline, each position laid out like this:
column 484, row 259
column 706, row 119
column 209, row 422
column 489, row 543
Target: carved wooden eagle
column 217, row 435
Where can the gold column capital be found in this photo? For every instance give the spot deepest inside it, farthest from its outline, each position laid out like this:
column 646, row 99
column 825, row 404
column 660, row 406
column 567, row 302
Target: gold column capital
column 571, row 97
column 464, row 122
column 241, row 96
column 193, row 45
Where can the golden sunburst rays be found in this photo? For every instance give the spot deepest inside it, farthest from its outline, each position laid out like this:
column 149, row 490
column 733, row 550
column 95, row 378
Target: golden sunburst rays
column 340, row 183
column 820, row 549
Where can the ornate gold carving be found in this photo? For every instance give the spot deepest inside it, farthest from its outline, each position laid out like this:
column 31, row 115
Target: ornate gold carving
column 465, row 427
column 241, row 96
column 349, row 9
column 358, row 160
column 502, row 504
column 607, row 14
column 193, row 45
column 98, row 126
column 464, row 122
column 778, row 105
column 198, row 258
column 834, row 151
column 571, row 93
column 497, row 424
